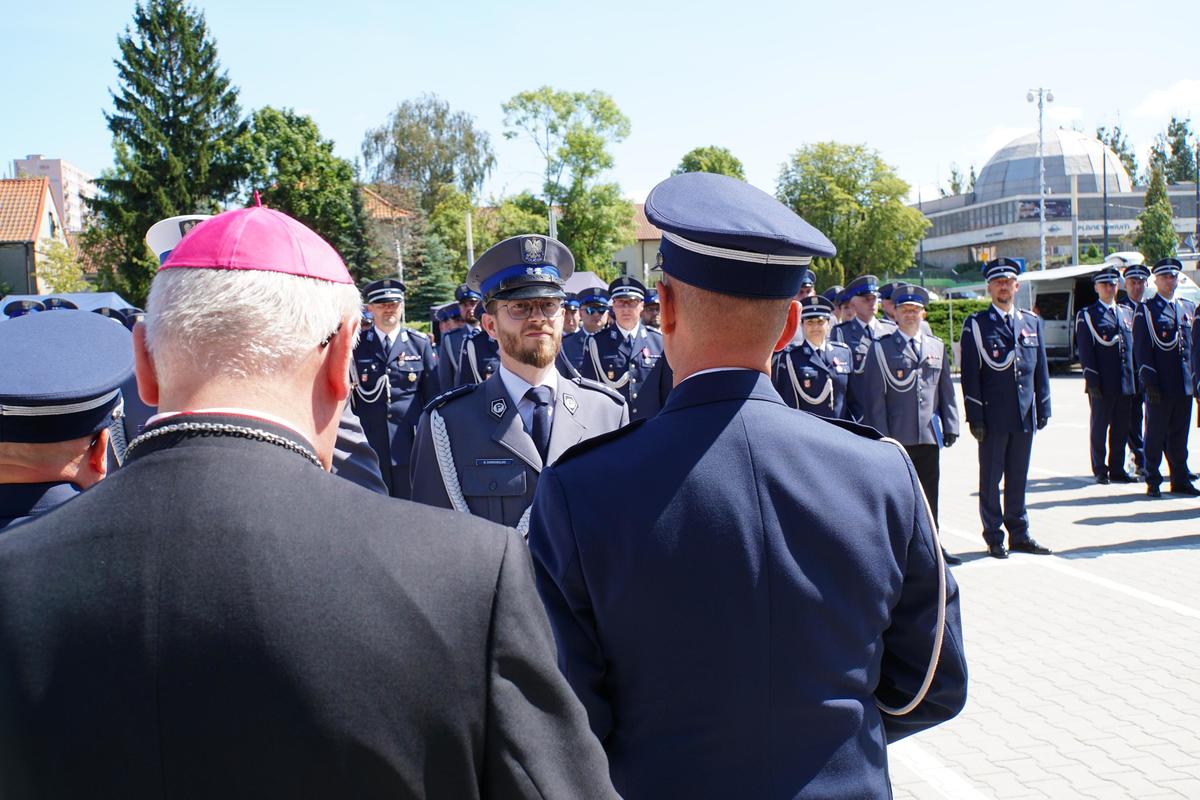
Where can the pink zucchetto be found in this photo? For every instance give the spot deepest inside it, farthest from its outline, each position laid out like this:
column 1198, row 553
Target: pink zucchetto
column 262, row 239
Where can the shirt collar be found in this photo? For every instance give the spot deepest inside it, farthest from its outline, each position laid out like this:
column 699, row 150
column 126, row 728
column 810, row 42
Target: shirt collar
column 516, row 386
column 1003, row 313
column 629, row 335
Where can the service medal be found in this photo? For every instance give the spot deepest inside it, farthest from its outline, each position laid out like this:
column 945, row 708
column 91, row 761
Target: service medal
column 807, row 383
column 899, row 373
column 412, row 377
column 364, row 377
column 612, row 376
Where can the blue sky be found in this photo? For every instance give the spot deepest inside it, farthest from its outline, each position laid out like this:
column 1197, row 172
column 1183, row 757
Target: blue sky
column 925, row 84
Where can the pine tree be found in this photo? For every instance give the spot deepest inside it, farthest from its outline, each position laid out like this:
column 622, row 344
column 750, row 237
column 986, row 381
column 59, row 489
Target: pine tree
column 174, row 123
column 1155, row 236
column 1174, row 152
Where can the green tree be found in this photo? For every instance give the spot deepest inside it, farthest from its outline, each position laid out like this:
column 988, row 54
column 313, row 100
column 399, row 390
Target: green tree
column 971, row 180
column 957, row 184
column 60, row 270
column 1155, row 234
column 1118, row 142
column 572, row 131
column 175, row 119
column 1091, row 255
column 714, row 159
column 1174, row 152
column 431, row 273
column 426, row 146
column 852, row 196
column 295, row 171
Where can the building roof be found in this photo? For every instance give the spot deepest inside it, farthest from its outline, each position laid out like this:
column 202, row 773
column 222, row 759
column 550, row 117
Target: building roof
column 643, row 230
column 1013, row 170
column 22, row 201
column 379, row 208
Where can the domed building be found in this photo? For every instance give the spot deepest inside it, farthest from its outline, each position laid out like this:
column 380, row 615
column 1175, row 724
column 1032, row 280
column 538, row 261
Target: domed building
column 1000, row 217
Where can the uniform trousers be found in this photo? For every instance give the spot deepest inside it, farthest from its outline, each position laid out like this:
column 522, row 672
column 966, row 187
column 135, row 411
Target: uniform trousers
column 397, row 479
column 926, row 461
column 1004, row 455
column 1110, row 429
column 1167, row 424
column 1137, row 446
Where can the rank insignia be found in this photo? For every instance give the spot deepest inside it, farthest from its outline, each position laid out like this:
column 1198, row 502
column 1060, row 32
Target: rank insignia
column 499, row 407
column 570, row 403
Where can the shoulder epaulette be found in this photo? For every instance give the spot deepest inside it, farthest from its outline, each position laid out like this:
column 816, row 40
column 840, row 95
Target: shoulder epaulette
column 836, row 344
column 1027, row 312
column 597, row 387
column 446, row 397
column 865, row 431
column 415, row 332
column 590, row 444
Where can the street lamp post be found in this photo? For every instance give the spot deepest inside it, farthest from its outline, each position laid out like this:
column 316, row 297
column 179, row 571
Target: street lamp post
column 1043, row 96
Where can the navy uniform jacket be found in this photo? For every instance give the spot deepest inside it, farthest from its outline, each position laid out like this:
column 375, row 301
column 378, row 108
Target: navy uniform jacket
column 1005, row 381
column 449, row 351
column 23, row 501
column 816, row 380
column 1104, row 339
column 609, row 358
column 496, row 461
column 1162, row 345
column 479, row 360
column 729, row 637
column 852, row 334
column 574, row 347
column 222, row 618
column 392, row 389
column 903, row 393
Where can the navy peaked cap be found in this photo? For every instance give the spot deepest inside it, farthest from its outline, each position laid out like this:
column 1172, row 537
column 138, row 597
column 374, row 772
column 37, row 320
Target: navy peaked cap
column 1167, row 266
column 572, row 300
column 388, row 290
column 816, row 306
column 626, row 286
column 863, row 284
column 724, row 235
column 885, row 291
column 19, row 308
column 1137, row 271
column 1002, row 268
column 651, row 296
column 807, row 278
column 1107, row 275
column 905, row 293
column 833, row 293
column 58, row 304
column 60, row 376
column 464, row 292
column 522, row 266
column 593, row 295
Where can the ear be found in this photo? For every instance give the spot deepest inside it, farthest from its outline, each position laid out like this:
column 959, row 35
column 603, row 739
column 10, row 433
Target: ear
column 143, row 367
column 789, row 327
column 338, row 358
column 98, row 454
column 666, row 307
column 488, row 323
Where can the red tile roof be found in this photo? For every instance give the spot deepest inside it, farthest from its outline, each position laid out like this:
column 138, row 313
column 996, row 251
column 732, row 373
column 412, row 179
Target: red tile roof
column 21, row 205
column 643, row 230
column 379, row 208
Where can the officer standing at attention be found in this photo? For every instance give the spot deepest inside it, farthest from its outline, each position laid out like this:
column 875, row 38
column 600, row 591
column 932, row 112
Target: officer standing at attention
column 906, row 384
column 570, row 314
column 1162, row 351
column 396, row 374
column 55, row 423
column 480, row 356
column 627, row 356
column 886, row 305
column 1006, row 387
column 1104, row 338
column 862, row 295
column 709, row 629
column 651, row 312
column 594, row 308
column 480, row 448
column 813, row 374
column 807, row 284
column 1136, row 276
column 450, row 348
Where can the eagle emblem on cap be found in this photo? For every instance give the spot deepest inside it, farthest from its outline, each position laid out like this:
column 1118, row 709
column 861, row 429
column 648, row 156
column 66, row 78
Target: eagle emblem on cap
column 533, row 250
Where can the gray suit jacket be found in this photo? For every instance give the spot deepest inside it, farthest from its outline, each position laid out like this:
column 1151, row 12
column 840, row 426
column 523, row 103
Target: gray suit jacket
column 902, row 394
column 496, row 460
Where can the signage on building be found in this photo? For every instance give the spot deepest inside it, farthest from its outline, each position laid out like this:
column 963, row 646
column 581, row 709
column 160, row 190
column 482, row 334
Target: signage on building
column 1055, row 209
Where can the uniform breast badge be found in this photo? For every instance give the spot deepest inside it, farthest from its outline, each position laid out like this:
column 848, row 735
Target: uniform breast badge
column 499, row 407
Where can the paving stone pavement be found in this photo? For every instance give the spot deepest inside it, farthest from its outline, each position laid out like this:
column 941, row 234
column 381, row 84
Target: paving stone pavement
column 1085, row 665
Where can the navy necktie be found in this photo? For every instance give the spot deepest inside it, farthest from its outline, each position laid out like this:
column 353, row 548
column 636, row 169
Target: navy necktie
column 540, row 396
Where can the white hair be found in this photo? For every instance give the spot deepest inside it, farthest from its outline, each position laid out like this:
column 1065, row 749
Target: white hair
column 240, row 323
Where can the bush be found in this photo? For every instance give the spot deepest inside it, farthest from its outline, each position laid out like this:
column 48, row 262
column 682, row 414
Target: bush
column 939, row 313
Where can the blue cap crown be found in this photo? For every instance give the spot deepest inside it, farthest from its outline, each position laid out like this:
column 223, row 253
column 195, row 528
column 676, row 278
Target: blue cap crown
column 522, row 266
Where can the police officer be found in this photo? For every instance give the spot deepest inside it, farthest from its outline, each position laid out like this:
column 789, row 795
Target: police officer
column 1136, row 275
column 813, row 375
column 1162, row 334
column 627, row 356
column 480, row 356
column 593, row 316
column 59, row 304
column 808, row 282
column 1006, row 387
column 861, row 298
column 570, row 314
column 396, row 373
column 56, row 423
column 480, row 448
column 906, row 385
column 1104, row 338
column 450, row 348
column 886, row 305
column 650, row 311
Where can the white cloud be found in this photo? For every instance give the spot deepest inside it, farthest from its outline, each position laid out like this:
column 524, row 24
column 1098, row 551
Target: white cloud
column 1181, row 97
column 1065, row 116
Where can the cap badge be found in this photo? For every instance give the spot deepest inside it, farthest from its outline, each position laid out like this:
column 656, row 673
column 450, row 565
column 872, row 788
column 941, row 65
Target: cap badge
column 499, row 407
column 533, row 250
column 569, row 402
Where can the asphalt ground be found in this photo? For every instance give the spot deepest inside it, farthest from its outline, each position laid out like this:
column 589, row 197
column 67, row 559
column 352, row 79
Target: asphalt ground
column 1084, row 665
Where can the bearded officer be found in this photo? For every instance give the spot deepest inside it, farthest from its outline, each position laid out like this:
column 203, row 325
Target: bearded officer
column 1162, row 351
column 396, row 373
column 450, row 348
column 627, row 356
column 708, row 627
column 813, row 375
column 651, row 311
column 1104, row 339
column 1006, row 387
column 908, row 394
column 1136, row 275
column 480, row 448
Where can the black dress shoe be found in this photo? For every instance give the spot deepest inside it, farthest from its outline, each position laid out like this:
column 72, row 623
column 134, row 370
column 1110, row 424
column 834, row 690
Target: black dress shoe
column 1121, row 477
column 997, row 551
column 1102, row 479
column 1140, row 472
column 1152, row 490
column 1193, row 476
column 952, row 560
column 1187, row 490
column 1029, row 546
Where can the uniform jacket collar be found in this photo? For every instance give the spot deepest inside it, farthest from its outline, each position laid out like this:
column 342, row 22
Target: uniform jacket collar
column 716, row 387
column 566, row 429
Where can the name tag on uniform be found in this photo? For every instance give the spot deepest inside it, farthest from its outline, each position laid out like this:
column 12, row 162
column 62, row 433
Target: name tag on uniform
column 493, row 462
column 1029, row 338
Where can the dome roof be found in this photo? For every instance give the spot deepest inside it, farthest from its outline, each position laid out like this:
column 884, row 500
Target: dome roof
column 1013, row 170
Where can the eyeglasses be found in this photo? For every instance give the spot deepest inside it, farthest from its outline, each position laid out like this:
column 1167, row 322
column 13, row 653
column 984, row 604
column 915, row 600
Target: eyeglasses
column 626, row 302
column 594, row 309
column 550, row 307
